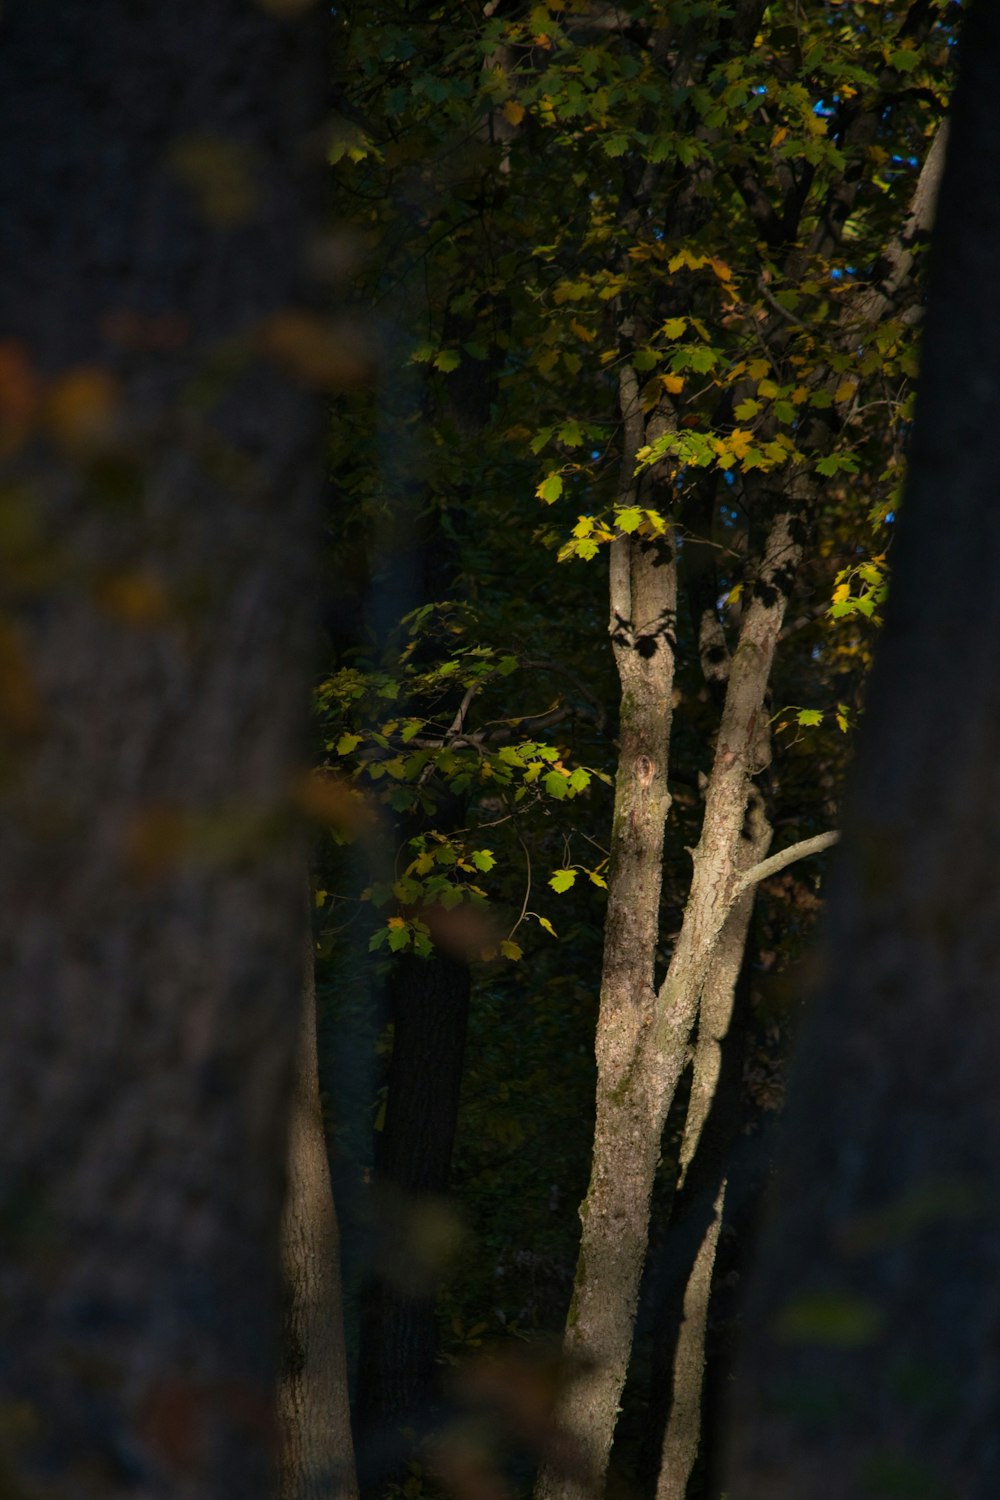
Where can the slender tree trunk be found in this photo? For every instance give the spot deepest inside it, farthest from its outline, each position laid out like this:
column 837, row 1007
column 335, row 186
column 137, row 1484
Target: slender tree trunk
column 871, row 1364
column 317, row 1454
column 708, row 1097
column 615, row 1211
column 162, row 483
column 682, row 1438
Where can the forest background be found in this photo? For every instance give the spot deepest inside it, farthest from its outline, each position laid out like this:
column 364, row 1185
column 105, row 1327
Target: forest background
column 627, row 304
column 645, row 283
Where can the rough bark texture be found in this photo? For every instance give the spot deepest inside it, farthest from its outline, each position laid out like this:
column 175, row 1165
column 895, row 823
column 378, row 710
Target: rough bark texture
column 316, row 1453
column 683, row 1435
column 158, row 540
column 708, row 1099
column 642, row 1043
column 615, row 1213
column 872, row 1364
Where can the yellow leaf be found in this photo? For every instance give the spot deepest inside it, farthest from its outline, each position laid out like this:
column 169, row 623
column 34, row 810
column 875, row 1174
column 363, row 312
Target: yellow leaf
column 511, row 950
column 845, row 390
column 672, row 383
column 587, row 334
column 767, row 389
column 841, row 592
column 685, row 258
column 721, row 269
column 396, row 922
column 778, row 136
column 739, row 441
column 674, row 327
column 513, row 111
column 800, row 394
column 757, row 369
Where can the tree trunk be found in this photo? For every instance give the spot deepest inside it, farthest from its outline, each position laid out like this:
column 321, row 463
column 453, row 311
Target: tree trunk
column 317, row 1455
column 162, row 484
column 870, row 1365
column 643, row 1037
column 414, row 1227
column 708, row 1099
column 615, row 1212
column 682, row 1438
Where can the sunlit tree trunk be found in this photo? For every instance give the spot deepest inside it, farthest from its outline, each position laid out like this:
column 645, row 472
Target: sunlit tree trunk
column 870, row 1363
column 643, row 1037
column 161, row 492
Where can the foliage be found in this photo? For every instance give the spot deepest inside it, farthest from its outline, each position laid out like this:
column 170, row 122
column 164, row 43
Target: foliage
column 550, row 199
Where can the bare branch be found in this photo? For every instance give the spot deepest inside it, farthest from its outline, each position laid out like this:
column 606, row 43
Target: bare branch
column 783, row 858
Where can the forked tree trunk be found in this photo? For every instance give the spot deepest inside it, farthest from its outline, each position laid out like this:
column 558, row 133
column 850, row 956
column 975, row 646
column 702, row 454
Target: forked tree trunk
column 162, row 485
column 870, row 1365
column 643, row 1037
column 316, row 1460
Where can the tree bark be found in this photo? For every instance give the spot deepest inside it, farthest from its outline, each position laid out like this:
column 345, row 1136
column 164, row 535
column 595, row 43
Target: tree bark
column 316, row 1453
column 643, row 1037
column 615, row 1212
column 709, row 1098
column 871, row 1363
column 162, row 483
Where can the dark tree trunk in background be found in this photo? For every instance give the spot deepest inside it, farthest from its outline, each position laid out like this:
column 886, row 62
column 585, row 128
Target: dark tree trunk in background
column 415, row 1227
column 162, row 484
column 872, row 1360
column 317, row 1454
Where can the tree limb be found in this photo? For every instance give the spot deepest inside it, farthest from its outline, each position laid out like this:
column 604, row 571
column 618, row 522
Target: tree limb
column 785, row 857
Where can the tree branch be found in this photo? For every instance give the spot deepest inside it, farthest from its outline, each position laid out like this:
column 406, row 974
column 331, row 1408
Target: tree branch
column 783, row 858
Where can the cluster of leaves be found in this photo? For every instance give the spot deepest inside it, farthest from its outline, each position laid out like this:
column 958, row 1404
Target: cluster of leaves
column 400, row 744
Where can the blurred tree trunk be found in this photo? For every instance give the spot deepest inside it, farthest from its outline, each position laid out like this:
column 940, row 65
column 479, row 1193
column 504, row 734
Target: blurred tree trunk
column 162, row 483
column 317, row 1456
column 398, row 1374
column 870, row 1365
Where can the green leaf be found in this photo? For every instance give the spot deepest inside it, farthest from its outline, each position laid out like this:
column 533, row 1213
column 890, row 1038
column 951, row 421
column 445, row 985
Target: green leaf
column 702, row 359
column 483, row 859
column 808, row 717
column 447, row 360
column 579, row 780
column 562, row 880
column 556, row 784
column 905, row 60
column 347, row 743
column 629, row 518
column 550, row 488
